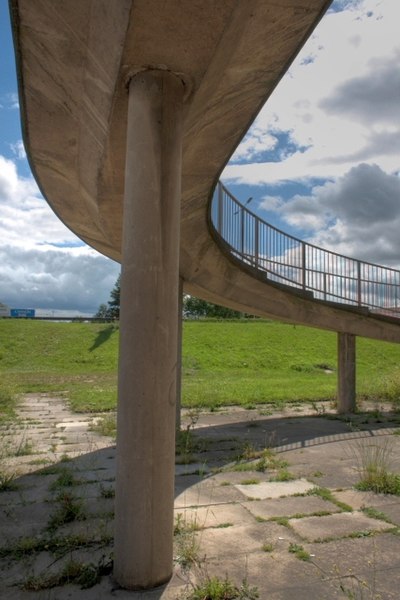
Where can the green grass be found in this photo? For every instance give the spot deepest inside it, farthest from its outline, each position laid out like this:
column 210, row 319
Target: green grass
column 7, row 403
column 224, row 362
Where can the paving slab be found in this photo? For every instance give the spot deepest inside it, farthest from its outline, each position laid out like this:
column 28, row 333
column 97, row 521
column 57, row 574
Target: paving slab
column 290, row 507
column 204, row 495
column 216, row 515
column 319, row 451
column 240, row 540
column 275, row 489
column 336, row 526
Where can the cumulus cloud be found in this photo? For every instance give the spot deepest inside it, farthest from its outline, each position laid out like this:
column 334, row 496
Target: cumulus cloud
column 340, row 105
column 358, row 215
column 55, row 279
column 339, row 100
column 34, row 270
column 372, row 98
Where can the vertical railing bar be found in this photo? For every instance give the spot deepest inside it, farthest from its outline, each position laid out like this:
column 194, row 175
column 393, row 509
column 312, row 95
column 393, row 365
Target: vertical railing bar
column 358, row 283
column 256, row 236
column 329, row 273
column 303, row 264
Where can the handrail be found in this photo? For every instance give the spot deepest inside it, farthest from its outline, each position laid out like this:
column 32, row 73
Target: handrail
column 285, row 259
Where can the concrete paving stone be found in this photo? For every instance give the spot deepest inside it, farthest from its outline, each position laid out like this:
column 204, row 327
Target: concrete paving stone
column 99, row 506
column 358, row 499
column 107, row 476
column 392, row 511
column 201, row 494
column 197, row 467
column 373, row 560
column 92, row 528
column 79, row 447
column 290, row 506
column 221, row 542
column 311, row 445
column 15, row 515
column 272, row 573
column 87, row 491
column 334, row 526
column 242, row 540
column 275, row 489
column 215, row 516
column 11, row 532
column 234, row 477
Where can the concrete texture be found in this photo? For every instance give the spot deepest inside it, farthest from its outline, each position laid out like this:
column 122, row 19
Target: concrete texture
column 346, row 390
column 147, row 365
column 234, row 536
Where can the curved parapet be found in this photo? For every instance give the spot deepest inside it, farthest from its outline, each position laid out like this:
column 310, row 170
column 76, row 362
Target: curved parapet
column 267, row 252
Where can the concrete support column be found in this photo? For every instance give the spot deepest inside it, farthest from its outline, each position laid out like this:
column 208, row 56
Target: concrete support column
column 346, row 396
column 148, row 333
column 179, row 359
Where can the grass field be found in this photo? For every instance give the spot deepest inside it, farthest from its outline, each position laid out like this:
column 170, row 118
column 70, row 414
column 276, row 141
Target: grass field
column 224, row 362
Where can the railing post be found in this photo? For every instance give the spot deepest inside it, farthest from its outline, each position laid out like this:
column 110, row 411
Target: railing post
column 358, row 283
column 303, row 264
column 256, row 241
column 220, row 208
column 324, row 286
column 242, row 230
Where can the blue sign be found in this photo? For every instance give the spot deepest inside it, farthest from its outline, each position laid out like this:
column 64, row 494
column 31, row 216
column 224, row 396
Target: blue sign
column 25, row 313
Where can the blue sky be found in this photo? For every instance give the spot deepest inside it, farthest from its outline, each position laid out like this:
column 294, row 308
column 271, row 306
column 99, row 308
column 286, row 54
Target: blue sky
column 322, row 161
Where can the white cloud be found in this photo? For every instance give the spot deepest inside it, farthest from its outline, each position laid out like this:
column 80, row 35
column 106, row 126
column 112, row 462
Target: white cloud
column 10, row 101
column 358, row 215
column 18, row 149
column 34, row 270
column 339, row 101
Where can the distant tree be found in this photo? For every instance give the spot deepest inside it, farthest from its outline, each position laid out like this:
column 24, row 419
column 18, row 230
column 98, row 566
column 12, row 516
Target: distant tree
column 102, row 312
column 111, row 309
column 200, row 308
column 113, row 304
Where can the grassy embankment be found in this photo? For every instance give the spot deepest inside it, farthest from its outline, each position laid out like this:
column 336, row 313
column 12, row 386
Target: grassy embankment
column 225, row 362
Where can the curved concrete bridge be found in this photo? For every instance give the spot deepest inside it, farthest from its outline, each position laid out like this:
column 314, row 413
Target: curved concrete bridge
column 130, row 111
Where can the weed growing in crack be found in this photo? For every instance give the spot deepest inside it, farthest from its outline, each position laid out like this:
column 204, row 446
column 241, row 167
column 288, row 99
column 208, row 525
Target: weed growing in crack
column 7, row 482
column 373, row 513
column 65, row 479
column 86, row 575
column 107, row 492
column 327, row 495
column 250, row 481
column 106, row 426
column 214, row 588
column 373, row 465
column 56, row 545
column 187, row 547
column 283, row 475
column 187, row 444
column 70, row 509
column 299, row 552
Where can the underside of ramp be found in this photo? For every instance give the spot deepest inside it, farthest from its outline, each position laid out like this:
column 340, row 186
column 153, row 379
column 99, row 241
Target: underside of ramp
column 75, row 60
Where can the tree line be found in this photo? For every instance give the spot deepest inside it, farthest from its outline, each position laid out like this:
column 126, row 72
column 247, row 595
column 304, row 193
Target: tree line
column 192, row 307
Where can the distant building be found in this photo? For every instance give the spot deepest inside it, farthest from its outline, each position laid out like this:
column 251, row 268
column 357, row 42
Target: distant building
column 4, row 310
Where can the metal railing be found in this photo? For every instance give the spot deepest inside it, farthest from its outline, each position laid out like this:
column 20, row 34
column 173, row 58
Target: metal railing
column 287, row 260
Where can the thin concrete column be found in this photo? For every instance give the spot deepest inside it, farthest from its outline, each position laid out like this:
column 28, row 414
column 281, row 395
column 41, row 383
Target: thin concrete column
column 179, row 358
column 148, row 333
column 346, row 395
